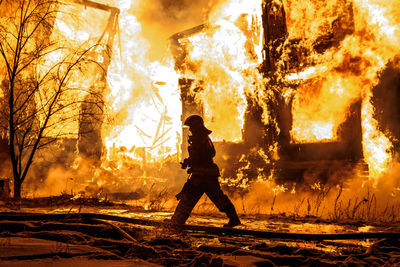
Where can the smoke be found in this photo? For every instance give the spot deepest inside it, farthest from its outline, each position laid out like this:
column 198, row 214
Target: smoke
column 59, row 180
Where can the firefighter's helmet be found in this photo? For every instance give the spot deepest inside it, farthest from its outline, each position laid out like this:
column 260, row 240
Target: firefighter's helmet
column 196, row 124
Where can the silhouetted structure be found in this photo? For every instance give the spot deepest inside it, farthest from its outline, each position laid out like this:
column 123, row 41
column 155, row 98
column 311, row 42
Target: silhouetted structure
column 295, row 159
column 90, row 142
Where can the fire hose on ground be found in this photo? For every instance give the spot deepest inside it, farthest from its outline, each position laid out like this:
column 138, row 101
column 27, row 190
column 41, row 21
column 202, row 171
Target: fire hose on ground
column 12, row 216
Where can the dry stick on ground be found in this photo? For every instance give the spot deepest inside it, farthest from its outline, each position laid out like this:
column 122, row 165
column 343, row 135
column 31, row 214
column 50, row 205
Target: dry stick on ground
column 372, row 200
column 272, row 204
column 336, row 201
column 158, row 199
column 358, row 205
column 320, row 197
column 347, row 210
column 242, row 199
column 374, row 206
column 383, row 215
column 118, row 229
column 297, row 207
column 393, row 214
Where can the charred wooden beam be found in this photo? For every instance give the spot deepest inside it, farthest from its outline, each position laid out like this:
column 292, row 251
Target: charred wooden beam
column 275, row 32
column 96, row 5
column 90, row 143
column 178, row 46
column 190, row 106
column 189, row 32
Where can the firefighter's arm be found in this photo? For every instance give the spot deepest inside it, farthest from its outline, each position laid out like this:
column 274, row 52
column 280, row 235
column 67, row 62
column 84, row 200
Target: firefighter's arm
column 210, row 148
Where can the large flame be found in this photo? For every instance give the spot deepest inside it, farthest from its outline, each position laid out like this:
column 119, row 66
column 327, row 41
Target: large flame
column 144, row 108
column 344, row 73
column 144, row 96
column 226, row 56
column 144, row 93
column 142, row 103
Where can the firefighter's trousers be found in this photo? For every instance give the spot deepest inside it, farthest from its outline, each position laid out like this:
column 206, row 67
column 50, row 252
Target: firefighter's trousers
column 194, row 189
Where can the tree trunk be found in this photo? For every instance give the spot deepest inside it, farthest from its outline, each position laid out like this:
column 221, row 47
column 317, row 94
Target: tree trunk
column 17, row 188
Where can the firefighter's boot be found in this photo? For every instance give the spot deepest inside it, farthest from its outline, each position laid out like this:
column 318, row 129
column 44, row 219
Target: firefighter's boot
column 182, row 213
column 233, row 217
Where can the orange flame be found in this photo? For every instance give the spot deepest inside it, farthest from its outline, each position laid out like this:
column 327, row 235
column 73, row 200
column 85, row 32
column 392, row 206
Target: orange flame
column 346, row 72
column 227, row 62
column 144, row 104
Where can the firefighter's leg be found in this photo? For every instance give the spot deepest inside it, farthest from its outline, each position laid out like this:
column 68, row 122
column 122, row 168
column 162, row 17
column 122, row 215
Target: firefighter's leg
column 185, row 206
column 232, row 215
column 222, row 202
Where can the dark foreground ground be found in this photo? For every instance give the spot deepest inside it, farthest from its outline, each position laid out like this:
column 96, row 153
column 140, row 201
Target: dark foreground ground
column 80, row 242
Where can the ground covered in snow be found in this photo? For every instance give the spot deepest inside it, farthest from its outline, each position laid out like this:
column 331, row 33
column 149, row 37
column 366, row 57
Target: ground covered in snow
column 80, row 242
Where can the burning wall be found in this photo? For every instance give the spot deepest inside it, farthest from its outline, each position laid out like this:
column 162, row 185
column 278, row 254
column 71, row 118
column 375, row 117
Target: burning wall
column 311, row 103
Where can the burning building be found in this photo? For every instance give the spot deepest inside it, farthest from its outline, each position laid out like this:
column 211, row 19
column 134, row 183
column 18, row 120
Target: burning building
column 286, row 88
column 301, row 96
column 296, row 145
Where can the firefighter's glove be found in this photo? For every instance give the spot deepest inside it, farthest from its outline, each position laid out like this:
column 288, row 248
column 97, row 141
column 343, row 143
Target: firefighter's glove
column 179, row 195
column 185, row 164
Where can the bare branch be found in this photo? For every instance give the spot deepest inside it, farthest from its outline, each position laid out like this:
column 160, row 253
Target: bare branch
column 39, row 23
column 41, row 104
column 3, row 54
column 28, row 98
column 50, row 108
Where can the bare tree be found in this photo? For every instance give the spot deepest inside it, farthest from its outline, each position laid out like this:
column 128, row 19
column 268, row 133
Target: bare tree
column 39, row 94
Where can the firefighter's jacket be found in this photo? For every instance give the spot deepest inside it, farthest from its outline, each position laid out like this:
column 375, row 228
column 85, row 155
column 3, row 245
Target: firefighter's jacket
column 201, row 153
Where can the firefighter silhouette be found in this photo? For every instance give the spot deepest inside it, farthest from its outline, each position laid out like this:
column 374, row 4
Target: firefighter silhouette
column 203, row 178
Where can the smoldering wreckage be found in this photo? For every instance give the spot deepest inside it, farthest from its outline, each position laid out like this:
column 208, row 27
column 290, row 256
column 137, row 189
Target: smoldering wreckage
column 302, row 101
